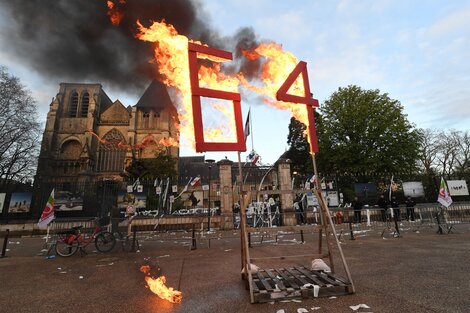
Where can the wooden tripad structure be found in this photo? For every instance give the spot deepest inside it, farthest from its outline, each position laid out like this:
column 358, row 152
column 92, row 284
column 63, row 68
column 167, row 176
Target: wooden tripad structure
column 294, row 282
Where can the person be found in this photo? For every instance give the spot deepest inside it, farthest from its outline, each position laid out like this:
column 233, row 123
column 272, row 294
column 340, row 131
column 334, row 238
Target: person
column 357, row 207
column 383, row 203
column 115, row 217
column 410, row 209
column 299, row 210
column 193, row 199
column 396, row 208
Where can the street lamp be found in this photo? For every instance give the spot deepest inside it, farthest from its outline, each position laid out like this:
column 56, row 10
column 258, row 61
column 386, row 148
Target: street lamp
column 209, row 162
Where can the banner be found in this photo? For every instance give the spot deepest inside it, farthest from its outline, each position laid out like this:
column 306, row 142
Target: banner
column 67, row 201
column 457, row 187
column 20, row 202
column 2, row 201
column 413, row 189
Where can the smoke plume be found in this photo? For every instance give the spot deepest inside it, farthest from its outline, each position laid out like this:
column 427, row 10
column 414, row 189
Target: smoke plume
column 74, row 39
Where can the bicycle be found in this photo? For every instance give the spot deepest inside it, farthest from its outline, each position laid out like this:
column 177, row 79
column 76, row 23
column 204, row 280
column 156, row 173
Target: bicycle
column 70, row 241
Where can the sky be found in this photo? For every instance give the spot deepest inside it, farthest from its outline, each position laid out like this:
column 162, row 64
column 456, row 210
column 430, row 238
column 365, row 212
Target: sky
column 416, row 51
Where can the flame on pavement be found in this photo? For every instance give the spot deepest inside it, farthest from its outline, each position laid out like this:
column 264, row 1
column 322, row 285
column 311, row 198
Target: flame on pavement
column 158, row 287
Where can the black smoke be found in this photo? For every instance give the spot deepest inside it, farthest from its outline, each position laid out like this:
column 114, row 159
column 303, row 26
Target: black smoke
column 75, row 40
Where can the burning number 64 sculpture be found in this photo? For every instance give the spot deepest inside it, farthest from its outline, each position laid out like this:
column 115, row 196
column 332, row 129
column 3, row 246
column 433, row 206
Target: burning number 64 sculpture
column 282, row 95
column 239, row 145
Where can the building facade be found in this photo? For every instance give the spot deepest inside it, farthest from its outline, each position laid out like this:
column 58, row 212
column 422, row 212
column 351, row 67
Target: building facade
column 88, row 137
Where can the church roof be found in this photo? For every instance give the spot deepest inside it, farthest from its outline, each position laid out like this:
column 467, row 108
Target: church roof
column 155, row 98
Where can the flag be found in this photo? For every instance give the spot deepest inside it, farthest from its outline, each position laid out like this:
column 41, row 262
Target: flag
column 48, row 213
column 312, row 179
column 444, row 195
column 390, row 190
column 310, row 182
column 196, row 181
column 247, row 124
column 253, row 157
column 185, row 188
column 135, row 184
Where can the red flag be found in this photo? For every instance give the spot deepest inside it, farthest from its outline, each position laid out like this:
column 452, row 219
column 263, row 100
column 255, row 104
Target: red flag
column 196, row 181
column 253, row 157
column 444, row 195
column 48, row 213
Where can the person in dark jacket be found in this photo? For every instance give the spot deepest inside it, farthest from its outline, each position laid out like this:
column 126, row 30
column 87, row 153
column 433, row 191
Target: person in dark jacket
column 357, row 207
column 410, row 209
column 383, row 203
column 396, row 208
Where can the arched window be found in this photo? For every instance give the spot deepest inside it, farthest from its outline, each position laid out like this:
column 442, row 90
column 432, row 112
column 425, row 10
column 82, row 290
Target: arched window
column 70, row 150
column 145, row 120
column 111, row 152
column 73, row 105
column 84, row 104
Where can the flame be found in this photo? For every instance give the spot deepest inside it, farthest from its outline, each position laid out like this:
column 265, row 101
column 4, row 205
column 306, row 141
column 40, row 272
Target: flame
column 171, row 56
column 158, row 287
column 114, row 12
column 171, row 59
column 276, row 68
column 169, row 142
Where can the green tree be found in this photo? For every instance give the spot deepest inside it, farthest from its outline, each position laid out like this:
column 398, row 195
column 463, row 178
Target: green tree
column 299, row 148
column 162, row 166
column 366, row 131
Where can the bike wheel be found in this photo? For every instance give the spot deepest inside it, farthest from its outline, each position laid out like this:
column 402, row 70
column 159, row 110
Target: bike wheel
column 105, row 241
column 66, row 245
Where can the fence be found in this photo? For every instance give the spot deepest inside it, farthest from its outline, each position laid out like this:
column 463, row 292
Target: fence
column 100, row 198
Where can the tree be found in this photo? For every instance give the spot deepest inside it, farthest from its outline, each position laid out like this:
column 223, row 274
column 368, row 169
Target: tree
column 364, row 131
column 463, row 153
column 19, row 131
column 428, row 150
column 162, row 166
column 299, row 148
column 445, row 152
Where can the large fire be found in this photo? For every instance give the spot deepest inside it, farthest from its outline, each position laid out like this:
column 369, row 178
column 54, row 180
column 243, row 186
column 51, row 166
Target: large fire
column 158, row 287
column 171, row 58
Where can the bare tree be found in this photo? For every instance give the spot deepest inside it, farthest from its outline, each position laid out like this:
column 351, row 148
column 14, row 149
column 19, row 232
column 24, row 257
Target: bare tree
column 463, row 153
column 429, row 150
column 19, row 131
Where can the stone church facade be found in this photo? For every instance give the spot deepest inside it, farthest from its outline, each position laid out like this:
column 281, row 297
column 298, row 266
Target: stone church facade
column 88, row 137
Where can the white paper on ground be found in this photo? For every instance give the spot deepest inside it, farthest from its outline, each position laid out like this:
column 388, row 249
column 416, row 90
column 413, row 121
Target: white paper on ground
column 359, row 306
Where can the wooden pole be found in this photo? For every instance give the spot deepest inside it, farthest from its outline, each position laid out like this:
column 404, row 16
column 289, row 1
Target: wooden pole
column 244, row 198
column 328, row 216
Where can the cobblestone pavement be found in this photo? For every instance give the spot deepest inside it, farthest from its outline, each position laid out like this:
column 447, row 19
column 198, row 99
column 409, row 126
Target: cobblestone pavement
column 419, row 272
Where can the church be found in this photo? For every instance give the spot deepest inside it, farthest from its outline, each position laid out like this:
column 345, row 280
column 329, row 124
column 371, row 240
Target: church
column 88, row 137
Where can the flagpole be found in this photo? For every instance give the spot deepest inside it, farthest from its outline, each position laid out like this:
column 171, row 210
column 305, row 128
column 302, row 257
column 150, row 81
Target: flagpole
column 251, row 130
column 47, row 233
